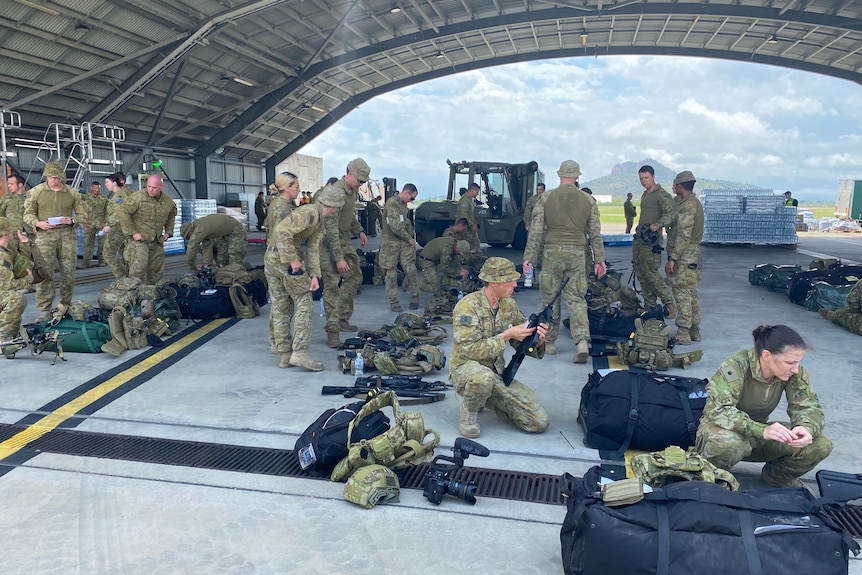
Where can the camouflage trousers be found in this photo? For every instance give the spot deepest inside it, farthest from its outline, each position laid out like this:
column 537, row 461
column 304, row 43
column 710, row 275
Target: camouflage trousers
column 725, row 448
column 683, row 284
column 89, row 243
column 562, row 262
column 629, row 223
column 430, row 275
column 59, row 247
column 338, row 301
column 653, row 285
column 848, row 320
column 232, row 248
column 12, row 305
column 114, row 252
column 394, row 252
column 146, row 260
column 291, row 302
column 481, row 387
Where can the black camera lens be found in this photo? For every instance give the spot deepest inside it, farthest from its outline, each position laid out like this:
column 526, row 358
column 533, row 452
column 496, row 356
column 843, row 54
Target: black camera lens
column 465, row 490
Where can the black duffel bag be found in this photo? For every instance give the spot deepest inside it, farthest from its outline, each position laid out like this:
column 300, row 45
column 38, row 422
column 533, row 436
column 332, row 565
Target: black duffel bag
column 697, row 527
column 197, row 303
column 640, row 410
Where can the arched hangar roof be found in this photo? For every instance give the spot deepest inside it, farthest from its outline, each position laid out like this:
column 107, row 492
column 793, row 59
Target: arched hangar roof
column 259, row 79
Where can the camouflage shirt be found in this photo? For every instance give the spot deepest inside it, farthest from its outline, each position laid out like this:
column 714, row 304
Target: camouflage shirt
column 206, row 228
column 303, row 225
column 7, row 276
column 741, row 400
column 150, row 217
column 442, row 251
column 528, row 210
column 115, row 202
column 477, row 329
column 279, row 208
column 686, row 232
column 97, row 210
column 629, row 210
column 854, row 298
column 343, row 225
column 569, row 216
column 12, row 208
column 45, row 203
column 396, row 224
column 657, row 208
column 450, row 233
column 466, row 209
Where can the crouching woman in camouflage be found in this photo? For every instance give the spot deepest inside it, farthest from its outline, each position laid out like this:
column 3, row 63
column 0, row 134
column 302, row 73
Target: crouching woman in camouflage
column 742, row 395
column 292, row 280
column 483, row 322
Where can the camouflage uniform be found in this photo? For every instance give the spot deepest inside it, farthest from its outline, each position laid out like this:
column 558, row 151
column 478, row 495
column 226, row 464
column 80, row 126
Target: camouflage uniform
column 12, row 301
column 336, row 246
column 395, row 248
column 467, row 209
column 683, row 247
column 115, row 240
column 440, row 264
column 150, row 217
column 738, row 406
column 528, row 210
column 850, row 317
column 290, row 294
column 279, row 208
column 568, row 215
column 97, row 215
column 58, row 245
column 630, row 212
column 477, row 360
column 12, row 208
column 656, row 208
column 223, row 230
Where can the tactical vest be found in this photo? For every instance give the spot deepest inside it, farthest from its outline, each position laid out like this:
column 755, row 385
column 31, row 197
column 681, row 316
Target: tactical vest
column 122, row 292
column 651, row 347
column 661, row 468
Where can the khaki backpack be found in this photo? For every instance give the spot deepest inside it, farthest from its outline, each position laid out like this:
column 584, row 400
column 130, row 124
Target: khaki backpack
column 243, row 303
column 651, row 347
column 400, row 446
column 121, row 292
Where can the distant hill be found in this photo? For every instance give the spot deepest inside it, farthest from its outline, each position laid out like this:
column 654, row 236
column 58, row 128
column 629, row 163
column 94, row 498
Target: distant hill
column 624, row 178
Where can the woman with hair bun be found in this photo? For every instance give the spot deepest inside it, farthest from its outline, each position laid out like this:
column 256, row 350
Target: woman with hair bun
column 285, row 189
column 742, row 395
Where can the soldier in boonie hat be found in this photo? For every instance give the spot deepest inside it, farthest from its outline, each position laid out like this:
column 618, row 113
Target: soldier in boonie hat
column 54, row 170
column 685, row 176
column 372, row 484
column 569, row 169
column 359, row 169
column 332, row 197
column 498, row 270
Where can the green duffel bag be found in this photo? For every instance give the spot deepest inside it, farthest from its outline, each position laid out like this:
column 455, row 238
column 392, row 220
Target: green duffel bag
column 80, row 336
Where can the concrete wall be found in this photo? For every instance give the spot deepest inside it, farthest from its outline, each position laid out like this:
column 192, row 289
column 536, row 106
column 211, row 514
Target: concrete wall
column 309, row 169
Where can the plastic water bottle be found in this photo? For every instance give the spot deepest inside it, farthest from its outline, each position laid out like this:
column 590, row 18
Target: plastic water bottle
column 460, row 295
column 528, row 276
column 322, row 312
column 358, row 365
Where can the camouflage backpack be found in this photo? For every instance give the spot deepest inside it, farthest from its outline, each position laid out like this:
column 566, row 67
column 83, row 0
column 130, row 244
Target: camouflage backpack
column 245, row 305
column 121, row 292
column 651, row 347
column 661, row 468
column 231, row 274
column 400, row 446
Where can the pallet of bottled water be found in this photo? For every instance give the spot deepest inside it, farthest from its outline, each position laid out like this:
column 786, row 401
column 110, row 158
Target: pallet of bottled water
column 747, row 217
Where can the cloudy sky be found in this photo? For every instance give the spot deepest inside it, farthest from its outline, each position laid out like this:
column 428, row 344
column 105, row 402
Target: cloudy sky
column 773, row 127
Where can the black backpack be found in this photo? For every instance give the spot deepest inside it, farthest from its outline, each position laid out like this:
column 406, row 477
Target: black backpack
column 324, row 443
column 197, row 303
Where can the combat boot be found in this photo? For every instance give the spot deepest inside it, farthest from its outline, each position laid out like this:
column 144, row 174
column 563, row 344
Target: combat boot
column 284, row 360
column 683, row 336
column 671, row 310
column 333, row 340
column 550, row 348
column 395, row 306
column 414, row 302
column 468, row 425
column 345, row 325
column 302, row 359
column 582, row 352
column 694, row 333
column 827, row 313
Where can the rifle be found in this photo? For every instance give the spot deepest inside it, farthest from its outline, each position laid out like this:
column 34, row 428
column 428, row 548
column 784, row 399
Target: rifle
column 842, row 487
column 38, row 340
column 402, row 385
column 433, row 396
column 530, row 342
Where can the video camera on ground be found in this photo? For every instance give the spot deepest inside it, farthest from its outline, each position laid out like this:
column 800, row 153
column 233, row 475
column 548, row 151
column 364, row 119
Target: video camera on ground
column 438, row 479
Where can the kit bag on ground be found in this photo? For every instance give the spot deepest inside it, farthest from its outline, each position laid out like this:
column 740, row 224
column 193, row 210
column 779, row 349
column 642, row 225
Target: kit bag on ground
column 122, row 292
column 779, row 277
column 244, row 305
column 613, row 324
column 366, row 265
column 197, row 303
column 825, row 295
column 699, row 527
column 80, row 336
column 640, row 410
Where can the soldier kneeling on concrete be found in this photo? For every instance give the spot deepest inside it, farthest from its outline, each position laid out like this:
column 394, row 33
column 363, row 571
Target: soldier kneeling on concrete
column 482, row 323
column 742, row 395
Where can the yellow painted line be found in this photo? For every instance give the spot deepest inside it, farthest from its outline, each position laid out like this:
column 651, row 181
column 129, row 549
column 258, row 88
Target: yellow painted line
column 61, row 414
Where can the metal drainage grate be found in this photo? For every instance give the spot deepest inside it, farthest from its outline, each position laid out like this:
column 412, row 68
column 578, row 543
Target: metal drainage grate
column 495, row 483
column 849, row 517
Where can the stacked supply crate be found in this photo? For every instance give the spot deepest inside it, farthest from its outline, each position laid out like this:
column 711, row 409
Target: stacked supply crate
column 747, row 217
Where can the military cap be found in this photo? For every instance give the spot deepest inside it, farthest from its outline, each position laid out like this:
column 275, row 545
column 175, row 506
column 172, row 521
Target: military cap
column 5, row 226
column 569, row 169
column 498, row 270
column 370, row 485
column 54, row 170
column 332, row 197
column 360, row 169
column 463, row 246
column 685, row 176
column 185, row 228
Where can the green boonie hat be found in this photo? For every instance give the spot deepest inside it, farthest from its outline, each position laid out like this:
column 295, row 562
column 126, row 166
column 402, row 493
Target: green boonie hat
column 685, row 176
column 360, row 169
column 463, row 247
column 5, row 226
column 54, row 170
column 498, row 270
column 371, row 485
column 332, row 197
column 184, row 229
column 569, row 169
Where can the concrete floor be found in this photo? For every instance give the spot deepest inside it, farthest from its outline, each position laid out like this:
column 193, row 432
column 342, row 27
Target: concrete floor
column 67, row 514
